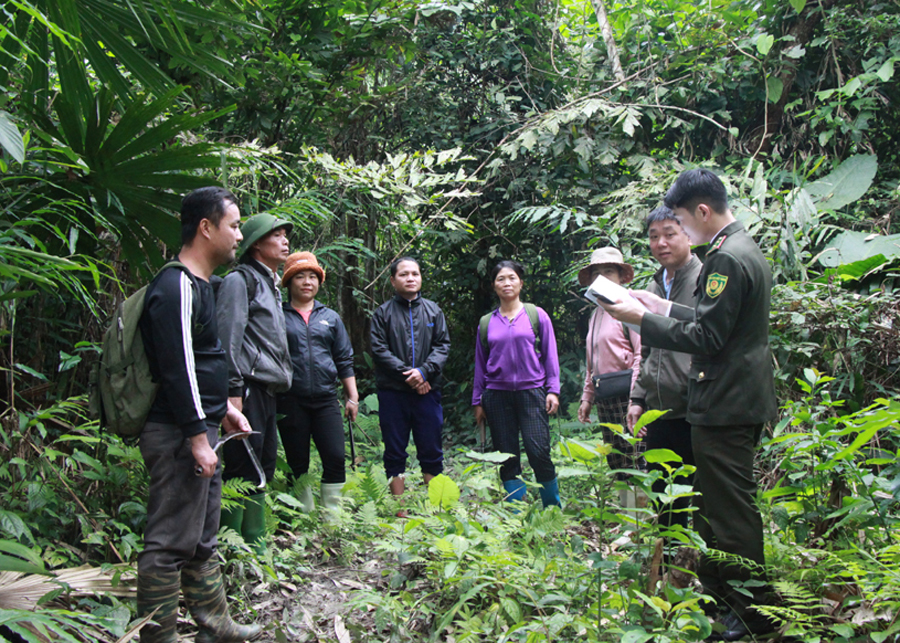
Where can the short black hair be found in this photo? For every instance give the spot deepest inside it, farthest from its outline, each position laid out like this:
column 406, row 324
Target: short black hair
column 515, row 266
column 203, row 203
column 396, row 264
column 657, row 215
column 696, row 186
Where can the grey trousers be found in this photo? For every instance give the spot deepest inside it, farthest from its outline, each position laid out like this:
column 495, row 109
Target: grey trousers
column 183, row 508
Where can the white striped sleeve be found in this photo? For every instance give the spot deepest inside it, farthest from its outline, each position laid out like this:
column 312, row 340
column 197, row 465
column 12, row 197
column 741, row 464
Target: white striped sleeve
column 187, row 340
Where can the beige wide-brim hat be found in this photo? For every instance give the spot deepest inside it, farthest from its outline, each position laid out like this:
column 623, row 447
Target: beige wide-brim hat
column 606, row 255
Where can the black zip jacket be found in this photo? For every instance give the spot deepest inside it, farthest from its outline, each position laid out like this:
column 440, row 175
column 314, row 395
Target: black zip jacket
column 178, row 327
column 407, row 335
column 320, row 351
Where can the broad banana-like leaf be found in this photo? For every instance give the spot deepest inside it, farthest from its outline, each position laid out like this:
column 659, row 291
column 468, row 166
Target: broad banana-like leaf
column 851, row 247
column 847, row 183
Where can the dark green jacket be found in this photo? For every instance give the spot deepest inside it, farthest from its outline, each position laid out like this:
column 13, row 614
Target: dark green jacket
column 663, row 381
column 731, row 380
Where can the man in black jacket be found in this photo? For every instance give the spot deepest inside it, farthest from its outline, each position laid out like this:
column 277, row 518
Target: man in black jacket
column 410, row 344
column 731, row 390
column 178, row 328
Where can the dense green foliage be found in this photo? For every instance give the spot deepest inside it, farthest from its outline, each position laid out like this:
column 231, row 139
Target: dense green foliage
column 463, row 133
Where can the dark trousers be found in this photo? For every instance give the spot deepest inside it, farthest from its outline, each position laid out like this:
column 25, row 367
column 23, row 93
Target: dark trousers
column 183, row 508
column 401, row 413
column 674, row 435
column 259, row 409
column 510, row 413
column 727, row 517
column 319, row 419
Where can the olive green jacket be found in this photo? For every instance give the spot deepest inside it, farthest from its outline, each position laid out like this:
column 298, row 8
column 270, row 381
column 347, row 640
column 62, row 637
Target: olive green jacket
column 731, row 380
column 663, row 380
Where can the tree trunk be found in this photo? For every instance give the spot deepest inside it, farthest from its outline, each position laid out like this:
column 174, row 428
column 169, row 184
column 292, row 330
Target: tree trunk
column 606, row 29
column 801, row 32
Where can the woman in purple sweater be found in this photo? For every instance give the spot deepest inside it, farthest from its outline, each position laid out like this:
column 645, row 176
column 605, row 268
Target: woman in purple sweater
column 517, row 383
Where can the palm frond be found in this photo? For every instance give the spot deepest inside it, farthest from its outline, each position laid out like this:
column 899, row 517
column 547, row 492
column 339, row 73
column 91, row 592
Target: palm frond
column 23, row 591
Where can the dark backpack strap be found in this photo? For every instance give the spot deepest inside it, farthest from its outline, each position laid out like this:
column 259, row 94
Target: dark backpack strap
column 483, row 332
column 246, row 272
column 531, row 311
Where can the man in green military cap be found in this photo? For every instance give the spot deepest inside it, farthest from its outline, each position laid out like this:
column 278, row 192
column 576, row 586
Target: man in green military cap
column 252, row 332
column 731, row 390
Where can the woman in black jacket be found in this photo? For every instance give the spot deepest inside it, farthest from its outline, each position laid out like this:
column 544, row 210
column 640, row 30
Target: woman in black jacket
column 320, row 354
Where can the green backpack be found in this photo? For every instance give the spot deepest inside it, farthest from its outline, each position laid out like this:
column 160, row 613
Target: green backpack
column 530, row 310
column 122, row 389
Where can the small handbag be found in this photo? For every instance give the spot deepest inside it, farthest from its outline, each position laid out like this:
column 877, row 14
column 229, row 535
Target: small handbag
column 612, row 385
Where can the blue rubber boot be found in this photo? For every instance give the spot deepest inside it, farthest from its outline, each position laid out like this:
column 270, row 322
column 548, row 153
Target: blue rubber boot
column 515, row 490
column 550, row 493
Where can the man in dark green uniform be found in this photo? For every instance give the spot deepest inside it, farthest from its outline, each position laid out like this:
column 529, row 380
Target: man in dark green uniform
column 731, row 389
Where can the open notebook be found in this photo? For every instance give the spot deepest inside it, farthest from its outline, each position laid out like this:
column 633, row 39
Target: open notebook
column 609, row 292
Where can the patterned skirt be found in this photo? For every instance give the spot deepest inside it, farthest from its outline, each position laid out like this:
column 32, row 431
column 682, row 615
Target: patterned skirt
column 623, row 455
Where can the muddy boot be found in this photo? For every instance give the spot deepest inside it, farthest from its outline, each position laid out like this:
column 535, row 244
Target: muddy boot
column 331, row 494
column 159, row 592
column 204, row 594
column 254, row 527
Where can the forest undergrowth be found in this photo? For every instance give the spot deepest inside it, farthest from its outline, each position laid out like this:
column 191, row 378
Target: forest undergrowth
column 464, row 565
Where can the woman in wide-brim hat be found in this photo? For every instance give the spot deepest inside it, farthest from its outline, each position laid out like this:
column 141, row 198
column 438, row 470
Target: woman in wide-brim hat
column 320, row 354
column 613, row 359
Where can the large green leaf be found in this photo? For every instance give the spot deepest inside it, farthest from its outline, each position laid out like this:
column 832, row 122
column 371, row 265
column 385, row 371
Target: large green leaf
column 10, row 138
column 851, row 247
column 846, row 184
column 18, row 558
column 493, row 456
column 443, row 492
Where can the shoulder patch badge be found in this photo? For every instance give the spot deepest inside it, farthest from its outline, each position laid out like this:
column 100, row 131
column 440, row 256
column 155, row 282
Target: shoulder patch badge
column 715, row 284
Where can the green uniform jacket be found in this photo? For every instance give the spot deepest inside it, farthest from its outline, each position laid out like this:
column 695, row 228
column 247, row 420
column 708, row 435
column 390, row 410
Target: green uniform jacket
column 663, row 382
column 731, row 380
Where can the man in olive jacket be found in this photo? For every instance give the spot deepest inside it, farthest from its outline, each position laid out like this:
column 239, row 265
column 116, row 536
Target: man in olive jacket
column 731, row 389
column 251, row 328
column 662, row 384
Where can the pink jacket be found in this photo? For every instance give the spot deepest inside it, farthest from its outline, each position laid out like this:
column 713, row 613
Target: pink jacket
column 609, row 350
